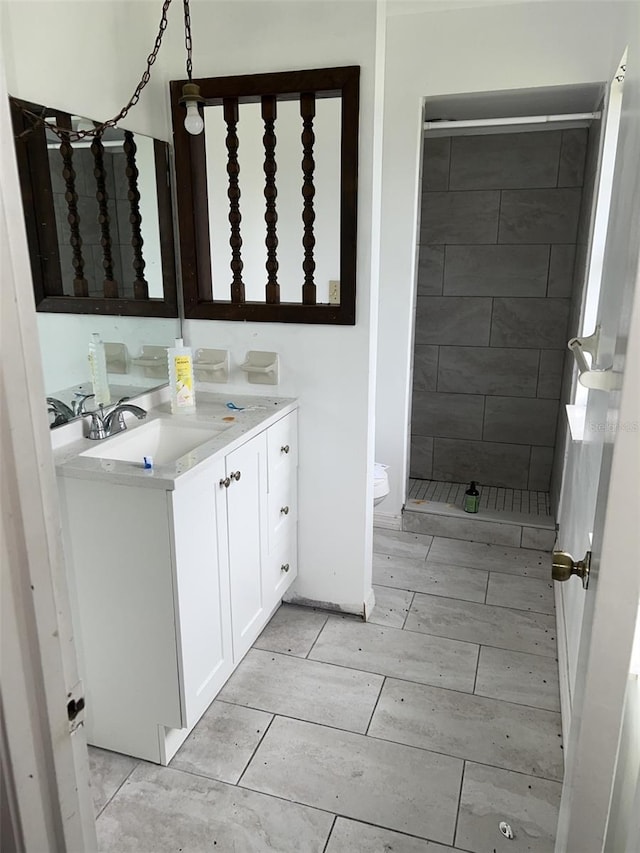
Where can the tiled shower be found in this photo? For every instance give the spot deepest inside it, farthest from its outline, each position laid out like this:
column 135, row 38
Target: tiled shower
column 499, row 226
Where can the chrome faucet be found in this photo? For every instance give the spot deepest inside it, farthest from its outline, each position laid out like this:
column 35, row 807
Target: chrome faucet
column 79, row 404
column 107, row 423
column 62, row 412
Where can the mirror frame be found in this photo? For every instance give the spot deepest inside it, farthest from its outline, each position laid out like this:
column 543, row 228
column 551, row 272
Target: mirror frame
column 39, row 214
column 193, row 215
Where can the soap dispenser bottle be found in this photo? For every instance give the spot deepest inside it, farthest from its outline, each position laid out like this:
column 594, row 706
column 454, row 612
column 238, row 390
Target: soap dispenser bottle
column 98, row 370
column 472, row 498
column 183, row 398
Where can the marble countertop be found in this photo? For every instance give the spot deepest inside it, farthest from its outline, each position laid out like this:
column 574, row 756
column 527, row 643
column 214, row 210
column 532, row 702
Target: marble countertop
column 211, row 411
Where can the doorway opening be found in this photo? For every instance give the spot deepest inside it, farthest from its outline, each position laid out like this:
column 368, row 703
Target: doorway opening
column 507, row 192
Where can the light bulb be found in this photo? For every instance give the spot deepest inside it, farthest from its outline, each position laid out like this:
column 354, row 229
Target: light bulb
column 193, row 122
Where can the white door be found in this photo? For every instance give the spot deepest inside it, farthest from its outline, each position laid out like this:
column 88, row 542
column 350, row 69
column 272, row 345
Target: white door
column 44, row 767
column 601, row 504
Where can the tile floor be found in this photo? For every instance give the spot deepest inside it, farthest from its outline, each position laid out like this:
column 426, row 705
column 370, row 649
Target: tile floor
column 491, row 497
column 417, row 732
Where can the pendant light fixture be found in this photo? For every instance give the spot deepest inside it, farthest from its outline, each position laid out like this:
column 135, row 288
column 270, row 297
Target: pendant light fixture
column 190, row 92
column 191, row 98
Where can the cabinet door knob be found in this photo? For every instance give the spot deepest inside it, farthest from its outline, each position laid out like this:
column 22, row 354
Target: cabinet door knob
column 226, row 482
column 284, row 510
column 235, row 475
column 284, row 448
column 284, row 567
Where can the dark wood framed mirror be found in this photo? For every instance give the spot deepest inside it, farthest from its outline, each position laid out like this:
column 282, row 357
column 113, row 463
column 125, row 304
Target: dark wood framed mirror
column 98, row 216
column 267, row 197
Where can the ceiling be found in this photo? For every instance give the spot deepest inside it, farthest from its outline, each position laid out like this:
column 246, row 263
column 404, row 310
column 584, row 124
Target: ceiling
column 507, row 103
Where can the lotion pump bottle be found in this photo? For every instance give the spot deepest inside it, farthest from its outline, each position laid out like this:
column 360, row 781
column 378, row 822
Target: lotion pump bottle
column 183, row 398
column 98, row 370
column 472, row 498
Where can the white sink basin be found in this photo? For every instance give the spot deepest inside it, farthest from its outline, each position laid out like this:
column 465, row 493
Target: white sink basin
column 164, row 440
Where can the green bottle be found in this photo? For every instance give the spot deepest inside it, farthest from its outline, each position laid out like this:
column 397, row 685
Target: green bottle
column 471, row 498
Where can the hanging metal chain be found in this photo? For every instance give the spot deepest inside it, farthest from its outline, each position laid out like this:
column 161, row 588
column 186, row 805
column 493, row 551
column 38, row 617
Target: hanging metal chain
column 187, row 37
column 76, row 135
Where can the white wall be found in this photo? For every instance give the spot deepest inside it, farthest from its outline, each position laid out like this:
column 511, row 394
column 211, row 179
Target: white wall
column 438, row 53
column 327, row 367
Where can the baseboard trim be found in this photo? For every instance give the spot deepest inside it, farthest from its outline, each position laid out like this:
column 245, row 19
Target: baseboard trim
column 563, row 668
column 302, row 601
column 387, row 520
column 369, row 604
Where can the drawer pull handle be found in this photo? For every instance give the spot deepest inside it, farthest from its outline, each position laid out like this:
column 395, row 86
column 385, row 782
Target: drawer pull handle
column 284, row 567
column 284, row 510
column 284, row 448
column 235, row 475
column 226, row 482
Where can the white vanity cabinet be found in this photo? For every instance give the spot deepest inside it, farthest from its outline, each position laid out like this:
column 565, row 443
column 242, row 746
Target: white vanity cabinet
column 171, row 586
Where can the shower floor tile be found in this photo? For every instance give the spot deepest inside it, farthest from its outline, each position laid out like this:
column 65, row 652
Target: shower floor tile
column 491, row 497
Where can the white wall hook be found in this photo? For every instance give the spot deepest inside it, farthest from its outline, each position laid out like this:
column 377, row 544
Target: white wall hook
column 261, row 367
column 589, row 376
column 211, row 365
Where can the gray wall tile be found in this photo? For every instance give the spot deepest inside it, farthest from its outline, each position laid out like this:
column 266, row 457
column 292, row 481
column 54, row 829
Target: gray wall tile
column 584, row 222
column 461, row 217
column 519, row 420
column 538, row 216
column 421, row 457
column 496, row 270
column 466, row 264
column 530, row 323
column 550, row 373
column 572, row 157
column 540, row 468
column 452, row 320
column 478, row 370
column 561, row 265
column 435, row 163
column 430, row 270
column 486, row 462
column 501, row 160
column 593, row 146
column 425, row 368
column 447, row 415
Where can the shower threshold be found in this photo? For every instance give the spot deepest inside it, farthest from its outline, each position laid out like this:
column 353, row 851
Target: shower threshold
column 516, row 517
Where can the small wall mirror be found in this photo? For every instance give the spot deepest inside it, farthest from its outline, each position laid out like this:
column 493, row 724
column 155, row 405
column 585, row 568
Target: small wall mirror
column 138, row 323
column 268, row 197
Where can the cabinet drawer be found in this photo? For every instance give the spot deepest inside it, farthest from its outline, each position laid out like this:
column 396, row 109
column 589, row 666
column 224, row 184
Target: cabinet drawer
column 283, row 513
column 282, row 447
column 282, row 569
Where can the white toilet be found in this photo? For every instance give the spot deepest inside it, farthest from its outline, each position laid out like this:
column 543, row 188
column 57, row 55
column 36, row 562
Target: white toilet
column 380, row 483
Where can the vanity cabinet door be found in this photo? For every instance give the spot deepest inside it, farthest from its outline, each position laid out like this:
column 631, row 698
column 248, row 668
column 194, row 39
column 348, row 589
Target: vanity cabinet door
column 203, row 614
column 244, row 500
